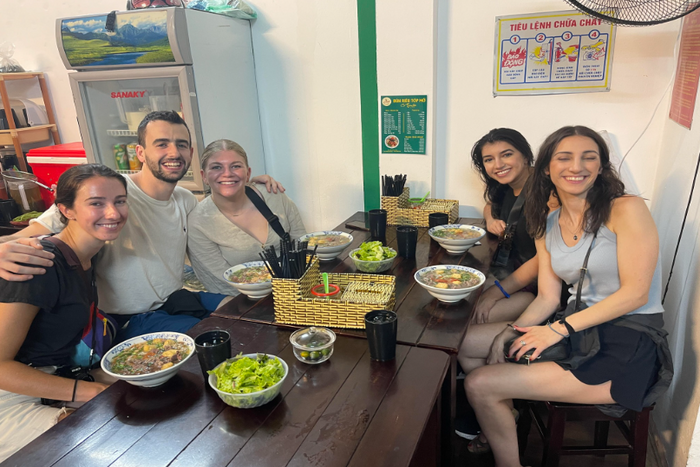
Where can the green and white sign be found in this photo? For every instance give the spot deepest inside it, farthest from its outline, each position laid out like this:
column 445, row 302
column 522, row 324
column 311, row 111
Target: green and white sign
column 403, row 124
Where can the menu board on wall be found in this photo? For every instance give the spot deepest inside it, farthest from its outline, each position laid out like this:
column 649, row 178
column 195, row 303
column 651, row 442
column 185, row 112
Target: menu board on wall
column 685, row 87
column 552, row 53
column 403, row 124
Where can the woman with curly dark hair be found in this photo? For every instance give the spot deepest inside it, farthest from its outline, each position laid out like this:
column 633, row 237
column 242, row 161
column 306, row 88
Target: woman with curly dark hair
column 620, row 296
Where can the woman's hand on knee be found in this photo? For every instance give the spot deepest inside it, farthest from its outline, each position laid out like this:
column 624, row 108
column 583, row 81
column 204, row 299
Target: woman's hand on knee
column 496, row 354
column 483, row 307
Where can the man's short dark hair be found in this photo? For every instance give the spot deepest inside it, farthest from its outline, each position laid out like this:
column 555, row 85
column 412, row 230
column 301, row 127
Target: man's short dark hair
column 167, row 116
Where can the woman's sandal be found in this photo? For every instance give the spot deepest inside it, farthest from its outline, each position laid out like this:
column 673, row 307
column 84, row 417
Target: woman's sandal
column 476, row 446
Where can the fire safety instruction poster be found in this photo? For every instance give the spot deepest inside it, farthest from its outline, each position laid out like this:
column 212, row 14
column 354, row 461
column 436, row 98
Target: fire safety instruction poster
column 552, row 53
column 403, row 124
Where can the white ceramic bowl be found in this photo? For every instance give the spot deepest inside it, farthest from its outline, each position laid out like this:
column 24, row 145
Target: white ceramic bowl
column 253, row 399
column 448, row 295
column 373, row 267
column 151, row 379
column 328, row 253
column 456, row 247
column 254, row 291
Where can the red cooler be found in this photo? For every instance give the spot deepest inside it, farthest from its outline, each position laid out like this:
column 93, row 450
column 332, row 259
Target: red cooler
column 50, row 162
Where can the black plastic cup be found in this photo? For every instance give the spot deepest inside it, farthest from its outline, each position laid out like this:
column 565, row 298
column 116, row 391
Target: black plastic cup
column 377, row 224
column 213, row 347
column 438, row 218
column 406, row 237
column 380, row 326
column 8, row 210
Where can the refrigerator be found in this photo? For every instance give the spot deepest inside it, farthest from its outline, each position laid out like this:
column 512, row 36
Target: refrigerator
column 197, row 63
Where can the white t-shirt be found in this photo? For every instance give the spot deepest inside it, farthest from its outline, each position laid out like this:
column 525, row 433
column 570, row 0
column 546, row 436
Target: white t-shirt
column 138, row 271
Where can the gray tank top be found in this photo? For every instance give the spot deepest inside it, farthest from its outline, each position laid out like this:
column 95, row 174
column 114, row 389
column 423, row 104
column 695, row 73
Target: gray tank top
column 602, row 278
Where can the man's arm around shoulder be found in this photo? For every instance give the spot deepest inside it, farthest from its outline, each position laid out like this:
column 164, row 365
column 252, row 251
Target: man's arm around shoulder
column 20, row 248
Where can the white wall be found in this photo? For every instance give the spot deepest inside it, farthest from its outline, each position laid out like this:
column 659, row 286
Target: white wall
column 642, row 66
column 308, row 82
column 406, row 66
column 676, row 414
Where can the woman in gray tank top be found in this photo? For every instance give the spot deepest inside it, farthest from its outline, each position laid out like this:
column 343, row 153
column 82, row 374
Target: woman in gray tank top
column 621, row 293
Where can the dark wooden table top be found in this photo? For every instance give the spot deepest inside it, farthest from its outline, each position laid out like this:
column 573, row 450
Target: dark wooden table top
column 423, row 321
column 348, row 411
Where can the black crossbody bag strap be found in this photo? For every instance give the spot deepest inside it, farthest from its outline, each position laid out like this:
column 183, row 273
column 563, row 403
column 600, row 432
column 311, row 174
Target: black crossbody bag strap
column 514, row 215
column 66, row 251
column 505, row 246
column 582, row 275
column 261, row 206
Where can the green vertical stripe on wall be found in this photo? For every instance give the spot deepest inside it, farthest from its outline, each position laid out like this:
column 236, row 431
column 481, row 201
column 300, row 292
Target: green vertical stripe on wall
column 367, row 41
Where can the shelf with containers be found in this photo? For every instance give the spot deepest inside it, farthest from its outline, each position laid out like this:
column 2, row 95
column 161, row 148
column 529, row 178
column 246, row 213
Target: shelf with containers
column 17, row 136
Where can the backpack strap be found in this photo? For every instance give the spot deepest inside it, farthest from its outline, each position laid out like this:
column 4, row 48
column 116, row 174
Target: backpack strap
column 271, row 218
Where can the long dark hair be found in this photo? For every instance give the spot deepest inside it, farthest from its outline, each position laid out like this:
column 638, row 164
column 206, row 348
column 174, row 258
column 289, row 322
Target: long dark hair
column 495, row 191
column 606, row 188
column 72, row 179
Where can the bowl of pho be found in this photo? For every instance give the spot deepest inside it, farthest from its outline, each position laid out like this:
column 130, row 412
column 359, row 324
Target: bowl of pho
column 251, row 279
column 330, row 243
column 150, row 359
column 449, row 283
column 456, row 238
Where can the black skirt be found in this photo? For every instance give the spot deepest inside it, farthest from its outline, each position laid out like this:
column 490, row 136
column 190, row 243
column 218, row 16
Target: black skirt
column 628, row 359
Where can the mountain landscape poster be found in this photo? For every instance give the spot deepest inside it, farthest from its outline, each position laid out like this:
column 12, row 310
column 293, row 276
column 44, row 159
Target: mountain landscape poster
column 140, row 38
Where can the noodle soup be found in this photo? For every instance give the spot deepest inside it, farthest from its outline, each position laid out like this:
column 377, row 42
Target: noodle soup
column 456, row 234
column 450, row 279
column 149, row 357
column 250, row 275
column 324, row 241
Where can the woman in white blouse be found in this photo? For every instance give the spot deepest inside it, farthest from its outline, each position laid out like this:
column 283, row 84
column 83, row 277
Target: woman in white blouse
column 226, row 229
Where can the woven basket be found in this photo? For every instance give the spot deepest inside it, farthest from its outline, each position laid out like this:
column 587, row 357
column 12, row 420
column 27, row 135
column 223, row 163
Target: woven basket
column 400, row 212
column 294, row 303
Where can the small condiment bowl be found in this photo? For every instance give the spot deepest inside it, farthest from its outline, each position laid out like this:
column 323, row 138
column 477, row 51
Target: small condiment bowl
column 254, row 291
column 313, row 345
column 149, row 379
column 448, row 295
column 456, row 246
column 328, row 253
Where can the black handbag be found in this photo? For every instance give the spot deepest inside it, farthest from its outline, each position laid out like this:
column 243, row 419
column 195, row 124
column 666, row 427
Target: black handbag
column 571, row 352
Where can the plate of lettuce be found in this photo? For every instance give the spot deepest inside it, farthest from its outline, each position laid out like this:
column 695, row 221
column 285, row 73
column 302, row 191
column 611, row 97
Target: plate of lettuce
column 373, row 257
column 249, row 380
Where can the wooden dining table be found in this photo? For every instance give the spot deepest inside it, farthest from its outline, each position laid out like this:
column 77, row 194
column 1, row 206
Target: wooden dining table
column 347, row 411
column 423, row 321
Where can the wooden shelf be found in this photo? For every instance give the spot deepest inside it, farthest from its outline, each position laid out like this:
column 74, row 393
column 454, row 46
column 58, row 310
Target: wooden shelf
column 18, row 136
column 33, row 134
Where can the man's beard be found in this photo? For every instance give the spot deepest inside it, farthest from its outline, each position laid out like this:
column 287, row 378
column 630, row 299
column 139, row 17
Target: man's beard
column 157, row 171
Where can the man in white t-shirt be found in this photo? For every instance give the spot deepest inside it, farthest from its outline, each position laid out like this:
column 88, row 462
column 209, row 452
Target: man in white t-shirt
column 139, row 271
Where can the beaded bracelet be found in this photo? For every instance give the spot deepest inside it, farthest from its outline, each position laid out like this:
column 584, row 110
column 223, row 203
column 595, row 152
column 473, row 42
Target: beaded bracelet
column 498, row 284
column 75, row 388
